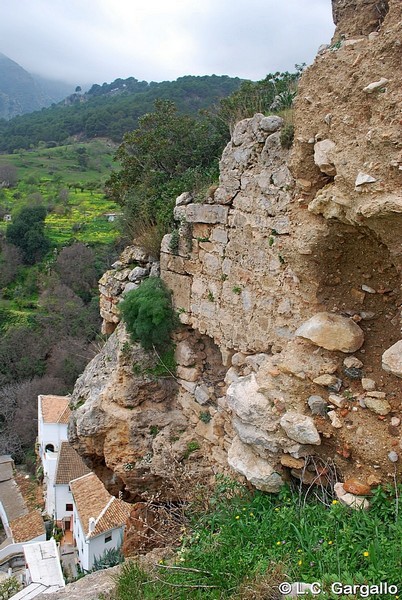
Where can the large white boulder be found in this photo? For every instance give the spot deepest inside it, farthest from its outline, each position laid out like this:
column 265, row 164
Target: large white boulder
column 332, row 332
column 255, row 469
column 300, row 428
column 392, row 359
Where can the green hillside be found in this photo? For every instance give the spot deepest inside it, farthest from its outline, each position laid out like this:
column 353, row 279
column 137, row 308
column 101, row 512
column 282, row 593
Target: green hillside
column 111, row 110
column 69, row 181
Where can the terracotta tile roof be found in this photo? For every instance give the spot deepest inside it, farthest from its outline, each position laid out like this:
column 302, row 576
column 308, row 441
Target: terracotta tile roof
column 27, row 527
column 92, row 500
column 55, row 409
column 69, row 465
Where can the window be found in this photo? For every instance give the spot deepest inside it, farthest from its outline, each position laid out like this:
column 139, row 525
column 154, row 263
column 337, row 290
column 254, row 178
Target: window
column 69, row 507
column 108, row 538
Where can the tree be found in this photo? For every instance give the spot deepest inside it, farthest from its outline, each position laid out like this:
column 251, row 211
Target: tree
column 10, row 261
column 76, row 268
column 165, row 146
column 27, row 232
column 8, row 175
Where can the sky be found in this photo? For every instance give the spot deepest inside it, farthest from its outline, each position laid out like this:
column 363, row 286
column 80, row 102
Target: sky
column 93, row 41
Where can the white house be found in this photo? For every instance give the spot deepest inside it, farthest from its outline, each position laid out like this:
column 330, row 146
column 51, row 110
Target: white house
column 43, row 570
column 99, row 519
column 69, row 466
column 53, row 416
column 20, row 524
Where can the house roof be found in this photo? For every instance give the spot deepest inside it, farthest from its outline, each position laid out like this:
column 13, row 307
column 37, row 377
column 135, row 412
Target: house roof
column 44, row 566
column 6, row 467
column 55, row 409
column 92, row 500
column 69, row 465
column 12, row 500
column 27, row 527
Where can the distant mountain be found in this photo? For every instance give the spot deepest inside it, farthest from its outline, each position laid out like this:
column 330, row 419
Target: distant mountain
column 111, row 109
column 21, row 92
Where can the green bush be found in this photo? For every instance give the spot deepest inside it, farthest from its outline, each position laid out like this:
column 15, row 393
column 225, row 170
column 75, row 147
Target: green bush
column 9, row 588
column 148, row 314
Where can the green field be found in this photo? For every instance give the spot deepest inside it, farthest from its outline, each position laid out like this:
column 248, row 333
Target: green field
column 69, row 180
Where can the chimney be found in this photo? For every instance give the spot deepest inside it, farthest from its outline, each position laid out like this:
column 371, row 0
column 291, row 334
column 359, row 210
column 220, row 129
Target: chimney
column 91, row 525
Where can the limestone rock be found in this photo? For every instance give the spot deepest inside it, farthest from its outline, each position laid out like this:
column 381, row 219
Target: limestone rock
column 330, row 381
column 201, row 394
column 368, row 384
column 332, row 332
column 318, row 405
column 323, row 157
column 255, row 469
column 201, row 213
column 351, row 362
column 138, row 273
column 392, row 359
column 271, row 124
column 393, row 456
column 375, row 85
column 336, row 400
column 300, row 428
column 363, row 178
column 184, row 199
column 356, row 502
column 250, row 405
column 377, row 405
column 335, row 421
column 184, row 354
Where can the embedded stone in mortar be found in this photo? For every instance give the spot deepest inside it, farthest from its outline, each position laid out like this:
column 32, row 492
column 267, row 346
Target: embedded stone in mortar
column 332, row 332
column 250, row 405
column 392, row 359
column 300, row 428
column 256, row 470
column 323, row 157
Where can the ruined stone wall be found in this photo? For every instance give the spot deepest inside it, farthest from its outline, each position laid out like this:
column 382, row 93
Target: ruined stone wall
column 286, row 279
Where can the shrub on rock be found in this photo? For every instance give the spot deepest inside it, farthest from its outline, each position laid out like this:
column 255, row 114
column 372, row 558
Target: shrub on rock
column 148, row 314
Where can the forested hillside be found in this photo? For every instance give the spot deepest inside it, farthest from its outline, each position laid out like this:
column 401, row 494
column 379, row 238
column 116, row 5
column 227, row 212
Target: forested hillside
column 111, row 110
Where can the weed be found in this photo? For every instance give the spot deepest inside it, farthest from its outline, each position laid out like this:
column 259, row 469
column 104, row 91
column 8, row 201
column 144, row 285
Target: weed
column 126, row 349
column 211, row 297
column 202, row 239
column 205, row 416
column 174, row 242
column 154, row 430
column 224, row 276
column 236, row 289
column 166, row 364
column 287, row 136
column 137, row 369
column 191, row 447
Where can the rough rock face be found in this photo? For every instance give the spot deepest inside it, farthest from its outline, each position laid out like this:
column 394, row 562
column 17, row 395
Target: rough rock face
column 283, row 239
column 142, row 433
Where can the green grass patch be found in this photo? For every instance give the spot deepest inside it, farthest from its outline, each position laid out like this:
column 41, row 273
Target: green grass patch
column 253, row 541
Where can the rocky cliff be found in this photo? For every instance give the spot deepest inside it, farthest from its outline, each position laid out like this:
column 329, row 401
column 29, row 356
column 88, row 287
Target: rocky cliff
column 287, row 283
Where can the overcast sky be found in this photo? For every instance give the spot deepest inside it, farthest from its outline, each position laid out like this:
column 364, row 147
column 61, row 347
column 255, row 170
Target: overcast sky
column 92, row 41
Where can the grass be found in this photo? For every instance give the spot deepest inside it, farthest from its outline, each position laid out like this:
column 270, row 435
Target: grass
column 243, row 544
column 64, row 161
column 73, row 193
